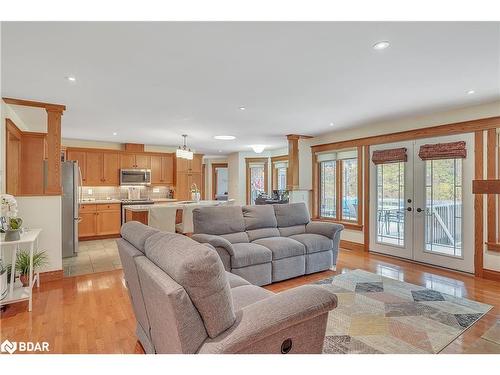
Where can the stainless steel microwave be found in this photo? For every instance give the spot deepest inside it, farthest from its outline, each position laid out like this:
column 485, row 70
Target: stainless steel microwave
column 135, row 177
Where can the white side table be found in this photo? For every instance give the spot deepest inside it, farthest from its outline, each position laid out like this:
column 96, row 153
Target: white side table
column 18, row 293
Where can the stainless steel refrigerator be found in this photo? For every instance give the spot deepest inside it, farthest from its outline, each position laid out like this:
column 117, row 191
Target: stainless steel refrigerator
column 70, row 204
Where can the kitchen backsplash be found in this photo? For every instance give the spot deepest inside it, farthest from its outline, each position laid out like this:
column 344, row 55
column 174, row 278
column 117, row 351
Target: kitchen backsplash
column 113, row 192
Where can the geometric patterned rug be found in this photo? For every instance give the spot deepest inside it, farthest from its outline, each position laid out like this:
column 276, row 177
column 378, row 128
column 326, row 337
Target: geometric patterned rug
column 376, row 314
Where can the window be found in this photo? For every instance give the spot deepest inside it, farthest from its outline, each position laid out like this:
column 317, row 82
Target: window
column 279, row 172
column 339, row 186
column 256, row 178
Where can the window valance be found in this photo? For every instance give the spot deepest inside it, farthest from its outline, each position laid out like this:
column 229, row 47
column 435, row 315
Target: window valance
column 336, row 155
column 452, row 150
column 393, row 155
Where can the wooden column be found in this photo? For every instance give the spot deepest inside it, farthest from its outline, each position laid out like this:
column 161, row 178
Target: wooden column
column 53, row 184
column 292, row 178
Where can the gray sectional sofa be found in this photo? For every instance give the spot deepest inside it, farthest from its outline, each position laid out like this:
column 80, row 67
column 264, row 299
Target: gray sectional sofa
column 185, row 302
column 268, row 243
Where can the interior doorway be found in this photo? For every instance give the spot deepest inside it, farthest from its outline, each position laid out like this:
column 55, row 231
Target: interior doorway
column 220, row 181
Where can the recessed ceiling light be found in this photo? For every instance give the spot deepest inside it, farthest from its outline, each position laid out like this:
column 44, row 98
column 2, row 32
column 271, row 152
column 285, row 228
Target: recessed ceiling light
column 258, row 148
column 383, row 44
column 242, row 108
column 225, row 137
column 115, row 133
column 71, row 78
column 471, row 92
column 331, row 123
column 220, row 150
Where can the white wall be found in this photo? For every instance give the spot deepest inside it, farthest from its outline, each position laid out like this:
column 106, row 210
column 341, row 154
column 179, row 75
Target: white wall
column 44, row 212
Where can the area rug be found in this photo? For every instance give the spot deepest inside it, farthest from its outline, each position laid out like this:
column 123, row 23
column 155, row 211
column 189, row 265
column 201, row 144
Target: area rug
column 493, row 334
column 376, row 314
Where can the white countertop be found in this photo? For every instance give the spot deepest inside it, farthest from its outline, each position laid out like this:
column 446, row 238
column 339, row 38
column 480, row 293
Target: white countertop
column 100, row 201
column 180, row 205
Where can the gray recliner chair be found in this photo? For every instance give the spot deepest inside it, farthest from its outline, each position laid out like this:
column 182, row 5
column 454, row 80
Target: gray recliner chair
column 185, row 302
column 268, row 243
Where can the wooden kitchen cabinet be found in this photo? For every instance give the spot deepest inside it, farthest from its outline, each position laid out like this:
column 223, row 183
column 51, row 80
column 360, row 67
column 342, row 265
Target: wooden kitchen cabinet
column 132, row 161
column 162, row 170
column 94, row 169
column 142, row 161
column 127, row 161
column 189, row 166
column 98, row 220
column 111, row 169
column 184, row 183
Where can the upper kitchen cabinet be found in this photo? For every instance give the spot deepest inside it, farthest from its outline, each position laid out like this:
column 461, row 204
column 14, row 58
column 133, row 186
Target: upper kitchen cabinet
column 131, row 161
column 98, row 168
column 94, row 169
column 189, row 166
column 111, row 169
column 162, row 169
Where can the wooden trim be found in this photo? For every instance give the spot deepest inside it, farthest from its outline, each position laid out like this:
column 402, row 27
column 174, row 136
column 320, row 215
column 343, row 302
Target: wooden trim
column 13, row 137
column 53, row 178
column 366, row 198
column 353, row 246
column 491, row 275
column 32, row 103
column 315, row 186
column 339, row 177
column 490, row 187
column 256, row 160
column 292, row 175
column 114, row 151
column 360, row 184
column 298, row 136
column 214, row 176
column 51, row 276
column 478, row 205
column 274, row 175
column 101, row 237
column 134, row 147
column 491, row 175
column 493, row 246
column 429, row 132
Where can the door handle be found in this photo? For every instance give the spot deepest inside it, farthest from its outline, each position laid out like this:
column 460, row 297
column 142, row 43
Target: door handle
column 419, row 209
column 78, row 220
column 408, row 209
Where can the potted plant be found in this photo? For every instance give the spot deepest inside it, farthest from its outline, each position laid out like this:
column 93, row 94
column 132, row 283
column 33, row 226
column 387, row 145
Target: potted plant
column 11, row 224
column 195, row 193
column 23, row 264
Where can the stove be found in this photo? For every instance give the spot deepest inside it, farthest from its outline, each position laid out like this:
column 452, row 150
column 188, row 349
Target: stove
column 130, row 202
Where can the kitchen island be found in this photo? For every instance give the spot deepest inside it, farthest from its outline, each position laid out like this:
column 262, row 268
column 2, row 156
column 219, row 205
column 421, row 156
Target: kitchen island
column 171, row 216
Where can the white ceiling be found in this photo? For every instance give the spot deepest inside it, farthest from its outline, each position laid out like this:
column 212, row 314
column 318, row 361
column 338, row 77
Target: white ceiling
column 152, row 82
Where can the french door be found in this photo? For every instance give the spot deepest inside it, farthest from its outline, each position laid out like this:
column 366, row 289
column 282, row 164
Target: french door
column 423, row 210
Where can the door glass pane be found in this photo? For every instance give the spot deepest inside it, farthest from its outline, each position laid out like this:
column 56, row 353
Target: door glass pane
column 391, row 204
column 350, row 189
column 328, row 189
column 281, row 178
column 443, row 210
column 256, row 182
column 222, row 181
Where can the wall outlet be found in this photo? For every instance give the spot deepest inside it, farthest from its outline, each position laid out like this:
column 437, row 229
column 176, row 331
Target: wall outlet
column 156, row 190
column 90, row 191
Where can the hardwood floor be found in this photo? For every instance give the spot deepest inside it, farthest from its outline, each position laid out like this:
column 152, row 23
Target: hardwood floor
column 92, row 313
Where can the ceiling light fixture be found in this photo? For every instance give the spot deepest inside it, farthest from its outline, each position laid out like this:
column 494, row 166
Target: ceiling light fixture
column 184, row 152
column 115, row 133
column 381, row 45
column 331, row 123
column 71, row 78
column 242, row 108
column 225, row 137
column 258, row 148
column 471, row 92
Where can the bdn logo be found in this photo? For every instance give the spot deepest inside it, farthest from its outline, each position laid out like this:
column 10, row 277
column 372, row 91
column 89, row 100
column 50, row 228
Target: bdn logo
column 12, row 346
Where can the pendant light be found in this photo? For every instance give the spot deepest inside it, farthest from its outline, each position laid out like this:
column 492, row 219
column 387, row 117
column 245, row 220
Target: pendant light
column 184, row 152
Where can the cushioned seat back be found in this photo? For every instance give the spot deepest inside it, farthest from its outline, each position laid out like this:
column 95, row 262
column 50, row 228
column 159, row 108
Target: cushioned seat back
column 199, row 271
column 293, row 216
column 224, row 221
column 260, row 222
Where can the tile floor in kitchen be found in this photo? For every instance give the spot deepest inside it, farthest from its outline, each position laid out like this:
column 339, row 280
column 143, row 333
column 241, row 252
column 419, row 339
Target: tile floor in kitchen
column 93, row 256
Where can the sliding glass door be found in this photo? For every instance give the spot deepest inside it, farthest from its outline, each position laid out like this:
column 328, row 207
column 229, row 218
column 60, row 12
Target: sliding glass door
column 422, row 208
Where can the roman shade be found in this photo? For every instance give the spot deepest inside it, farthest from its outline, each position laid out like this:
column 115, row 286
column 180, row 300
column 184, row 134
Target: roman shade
column 452, row 150
column 394, row 155
column 336, row 155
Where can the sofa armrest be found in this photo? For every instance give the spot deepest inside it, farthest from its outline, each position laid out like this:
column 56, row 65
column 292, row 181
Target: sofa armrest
column 267, row 317
column 215, row 241
column 326, row 229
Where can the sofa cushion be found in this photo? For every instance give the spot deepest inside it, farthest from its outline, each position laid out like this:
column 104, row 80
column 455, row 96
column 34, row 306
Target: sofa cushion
column 313, row 242
column 282, row 247
column 257, row 217
column 255, row 234
column 199, row 270
column 235, row 280
column 218, row 220
column 137, row 233
column 295, row 229
column 248, row 254
column 248, row 294
column 291, row 214
column 238, row 237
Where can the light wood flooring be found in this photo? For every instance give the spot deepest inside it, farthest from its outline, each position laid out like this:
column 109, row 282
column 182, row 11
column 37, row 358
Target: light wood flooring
column 92, row 313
